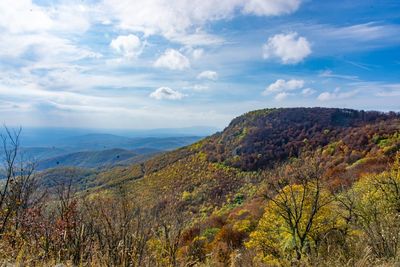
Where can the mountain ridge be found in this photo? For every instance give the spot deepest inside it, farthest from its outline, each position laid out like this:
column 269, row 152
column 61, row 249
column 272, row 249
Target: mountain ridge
column 339, row 139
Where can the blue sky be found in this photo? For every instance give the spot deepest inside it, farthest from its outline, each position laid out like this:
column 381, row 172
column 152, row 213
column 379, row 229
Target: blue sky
column 158, row 63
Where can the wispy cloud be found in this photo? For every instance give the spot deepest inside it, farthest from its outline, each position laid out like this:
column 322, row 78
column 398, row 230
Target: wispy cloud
column 336, row 95
column 331, row 74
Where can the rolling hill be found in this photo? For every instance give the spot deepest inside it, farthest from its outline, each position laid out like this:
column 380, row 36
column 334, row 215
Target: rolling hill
column 97, row 159
column 110, row 141
column 100, row 150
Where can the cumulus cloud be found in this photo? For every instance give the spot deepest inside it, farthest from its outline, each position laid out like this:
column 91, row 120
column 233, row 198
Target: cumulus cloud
column 282, row 86
column 166, row 93
column 173, row 60
column 208, row 74
column 288, row 48
column 128, row 46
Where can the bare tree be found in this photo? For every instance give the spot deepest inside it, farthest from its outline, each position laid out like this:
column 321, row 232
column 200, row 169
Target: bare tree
column 20, row 184
column 296, row 191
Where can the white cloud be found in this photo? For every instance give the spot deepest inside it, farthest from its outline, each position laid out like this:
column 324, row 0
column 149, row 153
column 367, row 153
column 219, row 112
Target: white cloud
column 336, row 95
column 271, row 7
column 308, row 91
column 383, row 89
column 361, row 32
column 172, row 59
column 23, row 16
column 197, row 88
column 281, row 96
column 197, row 53
column 331, row 74
column 325, row 96
column 180, row 21
column 127, row 45
column 194, row 53
column 288, row 48
column 196, row 39
column 47, row 33
column 336, row 39
column 282, row 86
column 208, row 74
column 166, row 93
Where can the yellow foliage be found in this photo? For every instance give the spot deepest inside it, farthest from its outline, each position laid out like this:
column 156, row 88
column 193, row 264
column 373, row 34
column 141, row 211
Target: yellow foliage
column 242, row 225
column 279, row 237
column 379, row 192
column 186, row 196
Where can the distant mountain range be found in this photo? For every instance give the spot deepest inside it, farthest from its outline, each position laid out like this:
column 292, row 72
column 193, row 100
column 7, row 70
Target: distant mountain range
column 94, row 150
column 109, row 141
column 47, row 137
column 94, row 159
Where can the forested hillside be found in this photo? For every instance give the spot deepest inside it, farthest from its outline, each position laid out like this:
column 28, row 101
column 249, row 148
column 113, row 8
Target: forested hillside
column 277, row 187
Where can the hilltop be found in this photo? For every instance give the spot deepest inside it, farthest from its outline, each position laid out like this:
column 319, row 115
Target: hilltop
column 257, row 139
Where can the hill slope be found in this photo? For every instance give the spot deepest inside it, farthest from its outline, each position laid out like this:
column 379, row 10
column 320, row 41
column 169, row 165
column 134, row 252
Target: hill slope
column 218, row 167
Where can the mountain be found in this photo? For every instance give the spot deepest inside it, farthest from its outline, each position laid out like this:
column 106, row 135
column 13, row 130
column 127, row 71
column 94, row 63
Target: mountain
column 39, row 153
column 217, row 187
column 258, row 139
column 108, row 141
column 49, row 137
column 101, row 150
column 218, row 166
column 95, row 159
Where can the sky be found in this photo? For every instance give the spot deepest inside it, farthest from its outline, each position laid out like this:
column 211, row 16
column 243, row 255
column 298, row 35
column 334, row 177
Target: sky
column 137, row 64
